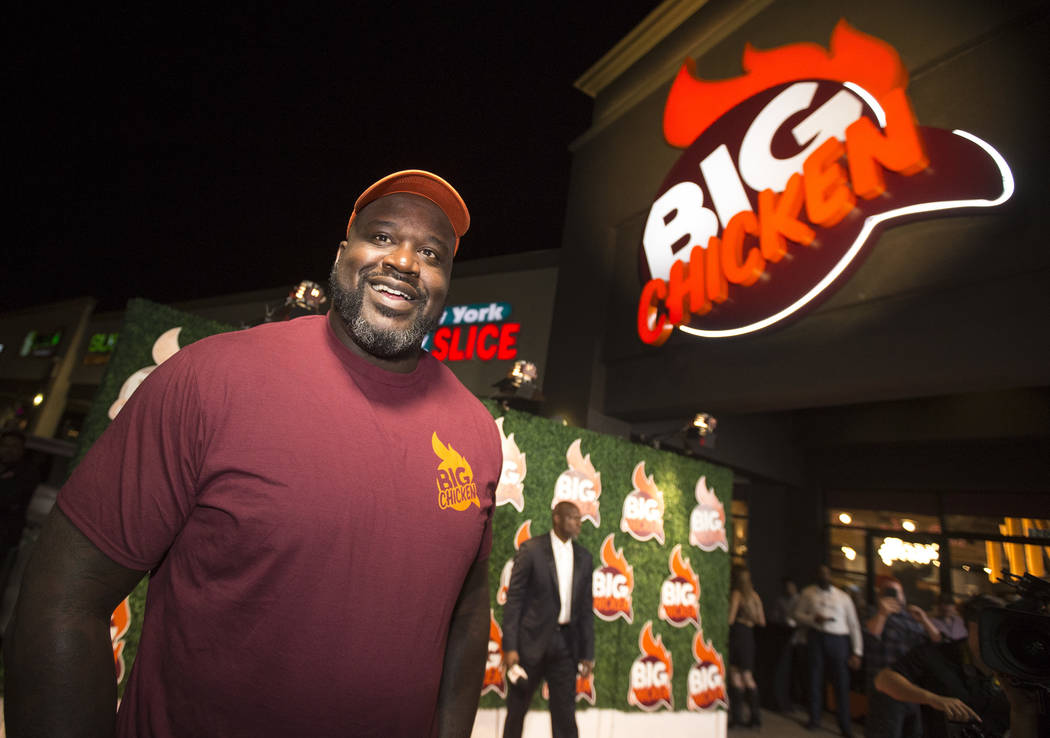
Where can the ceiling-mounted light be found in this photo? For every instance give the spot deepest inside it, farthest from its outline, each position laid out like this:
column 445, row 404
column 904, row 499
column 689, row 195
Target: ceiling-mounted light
column 845, row 518
column 908, row 525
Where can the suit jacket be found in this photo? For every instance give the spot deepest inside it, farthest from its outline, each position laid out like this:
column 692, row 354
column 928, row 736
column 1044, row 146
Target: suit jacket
column 530, row 617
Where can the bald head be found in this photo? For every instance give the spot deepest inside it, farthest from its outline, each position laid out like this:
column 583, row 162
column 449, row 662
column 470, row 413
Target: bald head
column 565, row 520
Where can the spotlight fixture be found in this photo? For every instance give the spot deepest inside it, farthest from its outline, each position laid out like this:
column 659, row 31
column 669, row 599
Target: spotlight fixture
column 38, row 398
column 703, row 425
column 522, row 374
column 306, row 298
column 845, row 518
column 908, row 525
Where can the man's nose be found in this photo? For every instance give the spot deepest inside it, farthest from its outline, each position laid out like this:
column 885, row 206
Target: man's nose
column 403, row 258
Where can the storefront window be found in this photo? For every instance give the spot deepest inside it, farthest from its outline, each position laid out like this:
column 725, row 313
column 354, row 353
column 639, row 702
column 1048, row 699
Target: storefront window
column 738, row 546
column 848, row 552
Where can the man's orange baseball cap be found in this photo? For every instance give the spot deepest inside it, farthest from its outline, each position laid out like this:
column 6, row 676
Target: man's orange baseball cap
column 424, row 184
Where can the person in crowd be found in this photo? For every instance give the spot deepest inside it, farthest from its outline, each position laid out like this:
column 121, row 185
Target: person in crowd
column 548, row 623
column 745, row 613
column 313, row 502
column 835, row 645
column 789, row 678
column 952, row 683
column 948, row 620
column 894, row 629
column 19, row 477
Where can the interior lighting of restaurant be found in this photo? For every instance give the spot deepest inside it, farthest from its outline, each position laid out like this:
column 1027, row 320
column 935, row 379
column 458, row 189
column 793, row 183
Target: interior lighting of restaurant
column 908, row 525
column 849, row 552
column 38, row 399
column 845, row 518
column 894, row 549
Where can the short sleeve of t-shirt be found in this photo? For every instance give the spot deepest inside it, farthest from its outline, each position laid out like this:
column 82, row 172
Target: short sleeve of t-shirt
column 135, row 488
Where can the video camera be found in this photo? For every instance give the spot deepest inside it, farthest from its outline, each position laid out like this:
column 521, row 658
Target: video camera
column 1015, row 640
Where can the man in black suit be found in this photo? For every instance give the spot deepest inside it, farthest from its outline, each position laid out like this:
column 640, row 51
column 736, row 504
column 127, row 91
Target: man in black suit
column 548, row 625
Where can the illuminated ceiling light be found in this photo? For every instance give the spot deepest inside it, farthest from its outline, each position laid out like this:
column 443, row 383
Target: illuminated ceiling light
column 38, row 398
column 894, row 549
column 987, row 570
column 845, row 518
column 849, row 553
column 908, row 525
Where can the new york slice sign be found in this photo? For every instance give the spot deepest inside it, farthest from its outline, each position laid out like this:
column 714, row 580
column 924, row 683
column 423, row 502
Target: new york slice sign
column 788, row 171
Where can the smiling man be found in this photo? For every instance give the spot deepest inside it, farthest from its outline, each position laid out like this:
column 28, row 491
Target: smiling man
column 313, row 503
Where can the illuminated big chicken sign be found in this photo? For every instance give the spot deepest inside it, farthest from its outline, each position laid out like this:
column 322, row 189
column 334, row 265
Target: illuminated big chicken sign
column 788, row 171
column 651, row 674
column 613, row 584
column 680, row 592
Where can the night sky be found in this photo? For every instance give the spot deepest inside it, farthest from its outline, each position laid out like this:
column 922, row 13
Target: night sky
column 161, row 154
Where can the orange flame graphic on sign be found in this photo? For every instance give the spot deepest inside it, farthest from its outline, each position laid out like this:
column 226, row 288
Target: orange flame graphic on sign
column 455, row 479
column 580, row 484
column 643, row 509
column 612, row 556
column 523, row 534
column 707, row 523
column 694, row 103
column 706, row 685
column 119, row 624
column 652, row 645
column 681, row 567
column 511, row 488
column 494, row 671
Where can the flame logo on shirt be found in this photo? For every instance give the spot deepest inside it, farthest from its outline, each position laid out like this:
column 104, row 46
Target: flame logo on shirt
column 707, row 522
column 580, row 484
column 613, row 584
column 511, row 488
column 455, row 479
column 495, row 680
column 651, row 673
column 119, row 623
column 680, row 593
column 523, row 534
column 707, row 677
column 643, row 509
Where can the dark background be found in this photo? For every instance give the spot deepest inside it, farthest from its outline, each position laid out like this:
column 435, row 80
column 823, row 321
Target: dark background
column 173, row 154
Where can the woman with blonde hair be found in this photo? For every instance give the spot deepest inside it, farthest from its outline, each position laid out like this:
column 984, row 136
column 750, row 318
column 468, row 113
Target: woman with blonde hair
column 745, row 612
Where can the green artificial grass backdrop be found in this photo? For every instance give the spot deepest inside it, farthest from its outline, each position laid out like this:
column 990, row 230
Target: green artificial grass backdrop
column 544, row 444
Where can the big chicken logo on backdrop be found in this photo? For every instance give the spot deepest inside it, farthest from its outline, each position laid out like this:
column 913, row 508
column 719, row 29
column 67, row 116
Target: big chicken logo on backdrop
column 495, row 679
column 511, row 487
column 788, row 170
column 707, row 521
column 651, row 673
column 523, row 534
column 580, row 484
column 707, row 677
column 680, row 592
column 613, row 584
column 643, row 508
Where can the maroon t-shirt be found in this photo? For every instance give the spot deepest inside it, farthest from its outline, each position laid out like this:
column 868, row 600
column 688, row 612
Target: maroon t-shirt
column 299, row 509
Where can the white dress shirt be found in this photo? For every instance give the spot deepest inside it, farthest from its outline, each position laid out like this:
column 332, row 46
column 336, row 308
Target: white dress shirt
column 835, row 605
column 563, row 564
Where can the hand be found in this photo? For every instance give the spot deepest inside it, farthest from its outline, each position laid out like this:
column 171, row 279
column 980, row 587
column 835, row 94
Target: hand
column 585, row 668
column 821, row 619
column 889, row 605
column 510, row 658
column 918, row 613
column 854, row 662
column 953, row 709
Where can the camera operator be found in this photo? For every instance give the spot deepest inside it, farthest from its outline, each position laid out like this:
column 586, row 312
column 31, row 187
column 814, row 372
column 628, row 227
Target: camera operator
column 951, row 678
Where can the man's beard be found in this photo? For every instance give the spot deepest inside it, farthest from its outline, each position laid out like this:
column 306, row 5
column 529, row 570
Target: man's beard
column 383, row 344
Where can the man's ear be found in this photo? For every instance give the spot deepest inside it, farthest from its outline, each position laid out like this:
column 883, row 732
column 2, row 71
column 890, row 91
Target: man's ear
column 342, row 245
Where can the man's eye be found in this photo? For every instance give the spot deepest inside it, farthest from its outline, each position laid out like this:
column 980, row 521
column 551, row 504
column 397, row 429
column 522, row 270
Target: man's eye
column 382, row 238
column 430, row 253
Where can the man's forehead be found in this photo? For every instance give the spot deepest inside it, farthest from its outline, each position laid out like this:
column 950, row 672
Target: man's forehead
column 399, row 206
